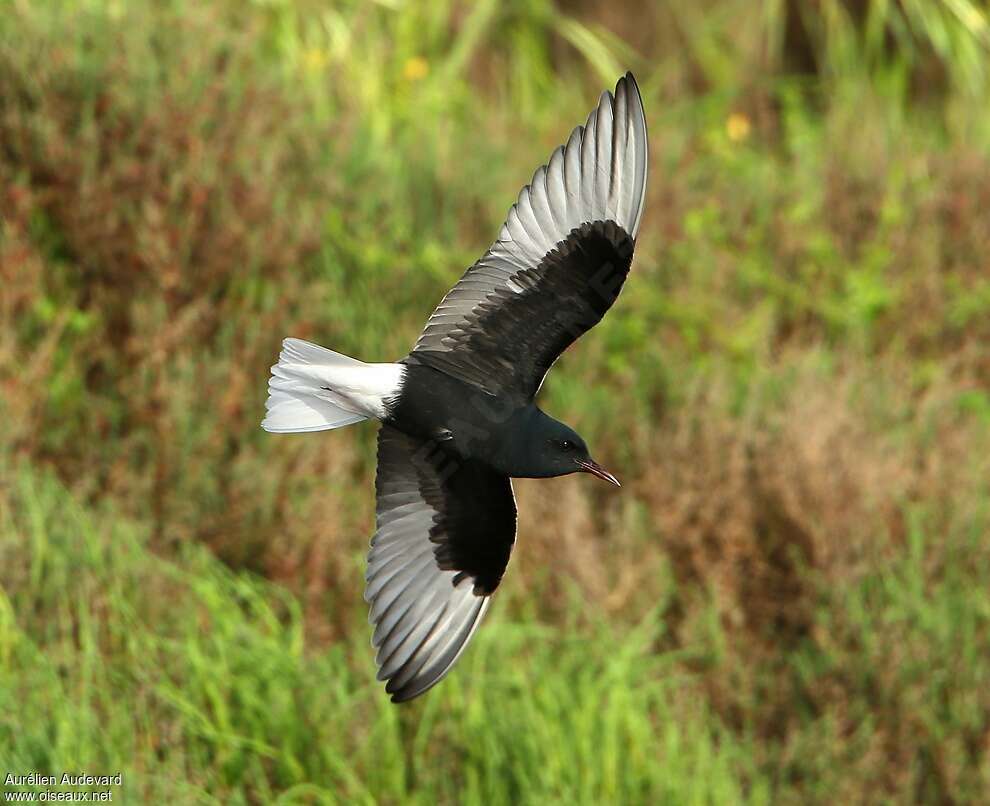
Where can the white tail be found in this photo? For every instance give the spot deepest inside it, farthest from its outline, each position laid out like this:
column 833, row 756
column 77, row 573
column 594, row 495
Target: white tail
column 314, row 389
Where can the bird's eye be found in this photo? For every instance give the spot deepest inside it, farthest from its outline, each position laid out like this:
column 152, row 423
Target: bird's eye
column 566, row 445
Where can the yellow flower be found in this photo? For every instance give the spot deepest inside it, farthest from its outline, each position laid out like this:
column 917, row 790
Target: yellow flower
column 315, row 59
column 415, row 68
column 738, row 126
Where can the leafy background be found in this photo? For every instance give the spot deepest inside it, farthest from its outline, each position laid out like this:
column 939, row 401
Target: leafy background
column 786, row 602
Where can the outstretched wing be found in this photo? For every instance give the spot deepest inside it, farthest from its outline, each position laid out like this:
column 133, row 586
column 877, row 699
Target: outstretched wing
column 445, row 530
column 559, row 262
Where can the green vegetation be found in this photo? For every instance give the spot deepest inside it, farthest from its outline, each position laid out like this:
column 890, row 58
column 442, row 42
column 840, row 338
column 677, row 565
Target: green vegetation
column 786, row 602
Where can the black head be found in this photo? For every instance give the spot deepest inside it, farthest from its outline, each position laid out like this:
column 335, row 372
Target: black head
column 554, row 449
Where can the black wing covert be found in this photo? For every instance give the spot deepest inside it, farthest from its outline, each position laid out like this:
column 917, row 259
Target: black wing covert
column 559, row 262
column 445, row 531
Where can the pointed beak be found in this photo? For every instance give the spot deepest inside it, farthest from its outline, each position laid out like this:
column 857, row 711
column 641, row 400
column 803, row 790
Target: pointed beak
column 591, row 466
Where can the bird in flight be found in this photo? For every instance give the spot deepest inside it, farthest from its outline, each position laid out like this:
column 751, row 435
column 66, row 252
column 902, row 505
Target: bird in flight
column 458, row 413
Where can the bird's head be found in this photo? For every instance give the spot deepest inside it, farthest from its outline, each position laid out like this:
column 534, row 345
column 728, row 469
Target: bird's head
column 561, row 450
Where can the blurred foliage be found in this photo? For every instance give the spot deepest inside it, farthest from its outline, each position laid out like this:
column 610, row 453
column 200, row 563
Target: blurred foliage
column 217, row 699
column 786, row 600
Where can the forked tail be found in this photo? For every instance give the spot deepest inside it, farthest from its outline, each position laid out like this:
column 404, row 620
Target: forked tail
column 315, row 389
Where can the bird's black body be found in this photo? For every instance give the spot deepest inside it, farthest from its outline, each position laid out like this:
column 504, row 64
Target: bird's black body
column 466, row 423
column 458, row 413
column 463, row 421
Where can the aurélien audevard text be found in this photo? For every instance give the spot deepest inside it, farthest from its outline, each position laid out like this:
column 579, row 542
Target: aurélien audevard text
column 65, row 779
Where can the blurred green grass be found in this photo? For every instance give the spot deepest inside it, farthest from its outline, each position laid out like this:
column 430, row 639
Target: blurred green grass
column 786, row 602
column 196, row 683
